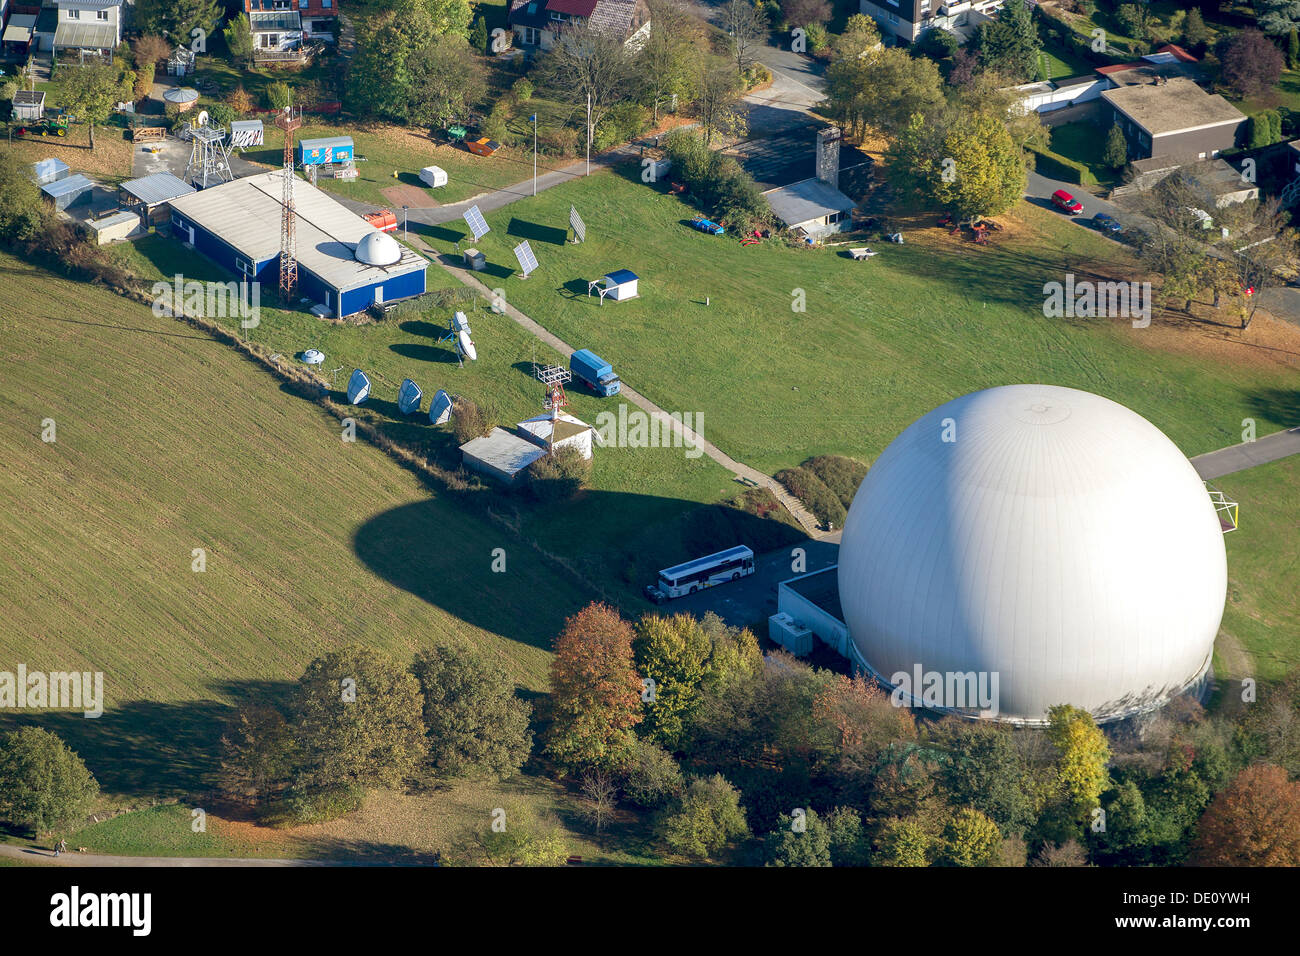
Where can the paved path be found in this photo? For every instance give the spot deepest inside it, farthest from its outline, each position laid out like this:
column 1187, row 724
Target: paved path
column 1227, row 461
column 45, row 857
column 739, row 469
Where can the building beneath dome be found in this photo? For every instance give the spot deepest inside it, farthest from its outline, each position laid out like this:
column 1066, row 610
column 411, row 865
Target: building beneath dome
column 345, row 264
column 1022, row 547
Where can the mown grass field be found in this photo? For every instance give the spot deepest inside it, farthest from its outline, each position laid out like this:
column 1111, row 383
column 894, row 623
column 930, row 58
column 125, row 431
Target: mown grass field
column 880, row 342
column 168, row 441
column 1263, row 610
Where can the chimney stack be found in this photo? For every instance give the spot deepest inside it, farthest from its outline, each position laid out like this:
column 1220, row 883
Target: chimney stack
column 828, row 156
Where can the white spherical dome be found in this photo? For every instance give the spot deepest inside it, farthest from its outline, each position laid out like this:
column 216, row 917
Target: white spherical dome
column 378, row 249
column 1045, row 535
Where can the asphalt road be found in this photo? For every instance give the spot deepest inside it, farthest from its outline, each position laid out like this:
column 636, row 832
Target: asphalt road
column 1236, row 458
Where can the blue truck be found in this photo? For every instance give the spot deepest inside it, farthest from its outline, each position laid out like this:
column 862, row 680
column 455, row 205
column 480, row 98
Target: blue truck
column 593, row 371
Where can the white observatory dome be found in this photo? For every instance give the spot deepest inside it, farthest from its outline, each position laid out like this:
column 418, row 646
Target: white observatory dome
column 378, row 249
column 1056, row 539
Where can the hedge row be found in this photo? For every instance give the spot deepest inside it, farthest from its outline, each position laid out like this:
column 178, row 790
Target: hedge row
column 1054, row 166
column 840, row 474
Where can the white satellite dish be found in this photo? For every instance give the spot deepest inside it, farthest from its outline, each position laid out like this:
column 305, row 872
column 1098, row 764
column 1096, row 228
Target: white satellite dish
column 313, row 357
column 466, row 346
column 409, row 397
column 440, row 408
column 459, row 323
column 358, row 387
column 202, row 118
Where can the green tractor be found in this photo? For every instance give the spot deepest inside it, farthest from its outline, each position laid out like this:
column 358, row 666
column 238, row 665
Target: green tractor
column 49, row 126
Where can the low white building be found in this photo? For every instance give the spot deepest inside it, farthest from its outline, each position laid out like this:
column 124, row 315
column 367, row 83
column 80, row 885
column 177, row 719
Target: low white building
column 552, row 431
column 87, row 26
column 813, row 207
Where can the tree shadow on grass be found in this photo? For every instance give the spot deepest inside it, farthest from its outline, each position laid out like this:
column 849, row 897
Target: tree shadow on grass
column 1280, row 405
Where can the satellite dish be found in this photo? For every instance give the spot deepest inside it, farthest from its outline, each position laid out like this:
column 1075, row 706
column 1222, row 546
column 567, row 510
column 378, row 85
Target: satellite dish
column 440, row 408
column 358, row 387
column 467, row 346
column 459, row 323
column 313, row 357
column 202, row 119
column 409, row 397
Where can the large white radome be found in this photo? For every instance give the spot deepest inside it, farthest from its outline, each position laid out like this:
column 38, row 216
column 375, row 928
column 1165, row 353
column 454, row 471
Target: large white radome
column 1061, row 541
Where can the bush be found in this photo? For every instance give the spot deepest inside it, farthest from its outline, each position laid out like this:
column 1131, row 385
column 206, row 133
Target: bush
column 653, row 776
column 625, row 121
column 818, row 38
column 753, row 518
column 814, row 494
column 558, row 476
column 306, row 804
column 497, row 124
column 239, row 101
column 1264, row 129
column 840, row 474
column 1052, row 166
column 44, row 785
column 144, row 75
column 523, row 89
column 221, row 114
column 706, row 819
column 478, row 36
column 558, row 142
column 278, row 95
column 717, row 182
column 468, row 420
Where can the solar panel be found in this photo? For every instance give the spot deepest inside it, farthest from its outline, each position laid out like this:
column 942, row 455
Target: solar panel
column 579, row 227
column 477, row 224
column 527, row 261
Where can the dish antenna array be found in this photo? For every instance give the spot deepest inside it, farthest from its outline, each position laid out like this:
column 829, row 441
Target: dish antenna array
column 527, row 261
column 579, row 227
column 477, row 224
column 458, row 333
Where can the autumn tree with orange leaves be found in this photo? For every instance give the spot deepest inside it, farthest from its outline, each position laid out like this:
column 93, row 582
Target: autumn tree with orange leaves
column 595, row 691
column 1254, row 821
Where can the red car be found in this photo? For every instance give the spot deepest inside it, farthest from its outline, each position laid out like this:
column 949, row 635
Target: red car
column 1066, row 203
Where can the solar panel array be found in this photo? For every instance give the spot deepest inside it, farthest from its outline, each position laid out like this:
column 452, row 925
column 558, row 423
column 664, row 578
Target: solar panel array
column 527, row 261
column 477, row 224
column 579, row 227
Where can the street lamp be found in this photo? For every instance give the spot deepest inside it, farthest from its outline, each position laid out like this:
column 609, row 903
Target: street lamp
column 533, row 120
column 404, row 224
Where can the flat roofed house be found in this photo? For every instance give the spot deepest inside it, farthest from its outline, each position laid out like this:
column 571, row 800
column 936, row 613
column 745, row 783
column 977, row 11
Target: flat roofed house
column 813, row 207
column 1174, row 117
column 537, row 24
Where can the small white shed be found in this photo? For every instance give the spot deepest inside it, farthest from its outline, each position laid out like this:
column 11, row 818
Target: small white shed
column 618, row 286
column 433, row 176
column 558, row 431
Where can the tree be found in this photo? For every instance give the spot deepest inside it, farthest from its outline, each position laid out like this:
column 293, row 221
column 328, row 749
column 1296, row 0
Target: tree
column 803, row 13
column 673, row 652
column 665, row 61
column 1135, row 18
column 653, row 776
column 595, row 691
column 849, row 846
column 177, row 19
column 746, row 24
column 987, row 772
column 881, row 91
column 970, row 839
column 1084, row 753
column 278, row 95
column 1251, row 63
column 936, row 43
column 600, row 797
column 239, row 39
column 1254, row 822
column 1116, row 152
column 239, row 101
column 854, row 723
column 390, row 43
column 446, row 82
column 478, row 36
column 1010, row 44
column 1069, row 853
column 584, row 63
column 706, row 819
column 1195, row 35
column 358, row 719
column 475, row 724
column 718, row 95
column 903, row 842
column 519, row 837
column 150, row 49
column 861, row 37
column 91, row 93
column 1277, row 17
column 799, row 840
column 44, row 785
column 258, row 755
column 1293, row 49
column 22, row 210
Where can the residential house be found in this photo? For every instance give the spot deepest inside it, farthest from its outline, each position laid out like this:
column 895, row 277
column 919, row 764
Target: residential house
column 279, row 25
column 537, row 24
column 82, row 27
column 905, row 20
column 1173, row 117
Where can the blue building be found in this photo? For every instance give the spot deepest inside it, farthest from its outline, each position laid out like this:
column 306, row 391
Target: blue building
column 344, row 263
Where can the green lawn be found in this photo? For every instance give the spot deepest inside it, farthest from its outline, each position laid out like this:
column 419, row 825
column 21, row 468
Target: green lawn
column 1058, row 63
column 168, row 441
column 1085, row 143
column 1263, row 613
column 880, row 343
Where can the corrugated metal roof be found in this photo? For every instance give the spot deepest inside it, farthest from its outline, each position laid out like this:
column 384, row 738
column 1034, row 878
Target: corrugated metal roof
column 325, row 141
column 49, row 170
column 62, row 187
column 89, row 36
column 503, row 451
column 157, row 188
column 246, row 215
column 810, row 199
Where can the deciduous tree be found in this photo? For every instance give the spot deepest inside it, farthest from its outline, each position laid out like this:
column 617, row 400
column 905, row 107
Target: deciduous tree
column 44, row 785
column 1083, row 755
column 1251, row 63
column 1254, row 822
column 707, row 818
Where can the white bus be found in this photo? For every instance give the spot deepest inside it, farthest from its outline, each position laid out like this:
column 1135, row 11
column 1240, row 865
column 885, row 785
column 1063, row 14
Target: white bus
column 729, row 565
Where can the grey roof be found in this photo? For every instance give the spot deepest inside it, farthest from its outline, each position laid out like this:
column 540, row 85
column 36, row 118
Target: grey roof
column 503, row 451
column 89, row 36
column 157, row 188
column 90, row 4
column 246, row 214
column 49, row 170
column 1175, row 106
column 72, row 184
column 810, row 199
column 29, row 98
column 281, row 20
column 20, row 27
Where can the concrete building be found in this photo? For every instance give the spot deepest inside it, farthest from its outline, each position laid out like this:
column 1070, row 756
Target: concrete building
column 1174, row 117
column 344, row 263
column 559, row 430
column 500, row 456
column 812, row 207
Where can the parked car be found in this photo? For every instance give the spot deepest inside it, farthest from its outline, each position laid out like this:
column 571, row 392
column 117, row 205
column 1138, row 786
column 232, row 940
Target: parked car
column 1066, row 203
column 1106, row 223
column 707, row 225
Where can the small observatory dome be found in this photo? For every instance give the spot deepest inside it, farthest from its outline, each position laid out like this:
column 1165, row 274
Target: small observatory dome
column 1042, row 534
column 378, row 249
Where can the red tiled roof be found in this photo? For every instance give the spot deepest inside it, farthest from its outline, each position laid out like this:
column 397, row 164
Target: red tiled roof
column 1120, row 67
column 1178, row 52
